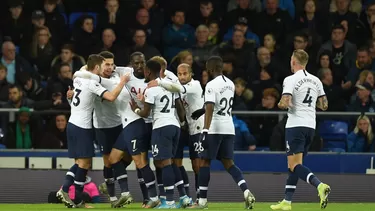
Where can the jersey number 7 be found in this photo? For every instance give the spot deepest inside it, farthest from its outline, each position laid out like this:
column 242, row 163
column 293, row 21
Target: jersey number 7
column 308, row 98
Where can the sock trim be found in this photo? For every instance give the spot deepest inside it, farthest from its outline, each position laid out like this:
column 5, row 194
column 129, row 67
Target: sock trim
column 140, row 180
column 159, row 185
column 290, row 186
column 186, row 185
column 122, row 177
column 69, row 173
column 169, row 187
column 79, row 183
column 308, row 177
column 203, row 188
column 179, row 183
column 150, row 183
column 241, row 182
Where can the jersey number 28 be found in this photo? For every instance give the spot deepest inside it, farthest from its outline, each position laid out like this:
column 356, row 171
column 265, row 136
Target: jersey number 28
column 227, row 106
column 76, row 100
column 308, row 98
column 167, row 101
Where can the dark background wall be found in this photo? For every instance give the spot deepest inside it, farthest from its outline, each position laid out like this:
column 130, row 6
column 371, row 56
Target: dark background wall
column 33, row 186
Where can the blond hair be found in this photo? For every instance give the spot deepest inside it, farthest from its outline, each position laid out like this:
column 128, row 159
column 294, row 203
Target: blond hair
column 184, row 65
column 181, row 56
column 369, row 134
column 363, row 75
column 163, row 63
column 301, row 57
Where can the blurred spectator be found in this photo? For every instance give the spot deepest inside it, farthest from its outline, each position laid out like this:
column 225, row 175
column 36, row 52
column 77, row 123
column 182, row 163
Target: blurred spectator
column 38, row 20
column 214, row 30
column 156, row 17
column 55, row 138
column 244, row 141
column 230, row 70
column 354, row 6
column 277, row 139
column 21, row 134
column 312, row 20
column 344, row 14
column 63, row 78
column 153, row 31
column 367, row 18
column 263, row 125
column 269, row 42
column 55, row 22
column 203, row 49
column 334, row 92
column 363, row 62
column 242, row 26
column 242, row 11
column 177, row 36
column 16, row 23
column 42, row 52
column 55, row 100
column 361, row 139
column 365, row 76
column 240, row 47
column 364, row 102
column 255, row 5
column 242, row 95
column 206, row 14
column 343, row 53
column 110, row 43
column 31, row 87
column 4, row 85
column 187, row 58
column 67, row 56
column 204, row 79
column 114, row 19
column 140, row 45
column 15, row 64
column 287, row 5
column 274, row 20
column 84, row 36
column 17, row 99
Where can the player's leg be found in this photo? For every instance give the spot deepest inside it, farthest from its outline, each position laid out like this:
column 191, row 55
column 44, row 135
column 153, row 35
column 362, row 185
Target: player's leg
column 225, row 154
column 194, row 148
column 177, row 161
column 84, row 164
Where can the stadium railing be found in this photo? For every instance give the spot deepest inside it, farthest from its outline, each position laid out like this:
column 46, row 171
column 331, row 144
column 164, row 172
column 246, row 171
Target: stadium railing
column 324, row 162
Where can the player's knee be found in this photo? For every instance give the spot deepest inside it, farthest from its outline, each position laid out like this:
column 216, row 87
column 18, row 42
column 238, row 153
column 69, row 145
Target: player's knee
column 204, row 163
column 177, row 162
column 106, row 161
column 139, row 161
column 84, row 163
column 165, row 162
column 113, row 158
column 227, row 163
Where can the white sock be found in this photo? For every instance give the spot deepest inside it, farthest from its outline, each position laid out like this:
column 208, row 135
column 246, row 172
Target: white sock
column 154, row 198
column 288, row 202
column 125, row 193
column 114, row 198
column 202, row 201
column 246, row 193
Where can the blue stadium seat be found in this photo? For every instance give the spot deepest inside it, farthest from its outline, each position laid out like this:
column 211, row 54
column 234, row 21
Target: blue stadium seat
column 2, row 146
column 76, row 15
column 334, row 134
column 17, row 49
column 262, row 149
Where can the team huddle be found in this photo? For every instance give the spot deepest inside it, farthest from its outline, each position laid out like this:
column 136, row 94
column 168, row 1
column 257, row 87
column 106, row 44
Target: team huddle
column 131, row 110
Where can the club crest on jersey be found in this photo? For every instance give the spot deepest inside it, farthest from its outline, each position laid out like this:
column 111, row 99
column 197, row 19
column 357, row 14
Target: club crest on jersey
column 209, row 91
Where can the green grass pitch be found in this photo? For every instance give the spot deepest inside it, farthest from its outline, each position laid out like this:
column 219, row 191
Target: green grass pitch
column 212, row 206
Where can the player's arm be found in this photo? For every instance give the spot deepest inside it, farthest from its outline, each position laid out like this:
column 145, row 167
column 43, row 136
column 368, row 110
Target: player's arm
column 112, row 95
column 149, row 100
column 322, row 103
column 180, row 110
column 209, row 102
column 88, row 75
column 171, row 86
column 286, row 98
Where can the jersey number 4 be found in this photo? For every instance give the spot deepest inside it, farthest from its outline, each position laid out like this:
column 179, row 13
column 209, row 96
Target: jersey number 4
column 167, row 101
column 308, row 98
column 76, row 100
column 227, row 106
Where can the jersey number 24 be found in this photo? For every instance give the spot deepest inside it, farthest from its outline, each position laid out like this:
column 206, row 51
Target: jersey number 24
column 166, row 99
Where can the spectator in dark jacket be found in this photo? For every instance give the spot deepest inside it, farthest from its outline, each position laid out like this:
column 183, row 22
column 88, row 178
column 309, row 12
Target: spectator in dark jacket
column 361, row 139
column 56, row 138
column 16, row 23
column 63, row 78
column 245, row 141
column 177, row 36
column 84, row 36
column 67, row 56
column 4, row 85
column 32, row 88
column 22, row 134
column 55, row 21
column 140, row 45
column 153, row 31
column 277, row 139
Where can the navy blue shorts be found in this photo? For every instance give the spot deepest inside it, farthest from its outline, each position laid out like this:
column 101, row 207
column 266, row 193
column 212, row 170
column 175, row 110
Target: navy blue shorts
column 164, row 142
column 194, row 146
column 148, row 135
column 218, row 146
column 132, row 138
column 106, row 138
column 182, row 143
column 80, row 142
column 298, row 140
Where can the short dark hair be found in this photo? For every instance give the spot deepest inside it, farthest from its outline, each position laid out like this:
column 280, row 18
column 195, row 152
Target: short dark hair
column 14, row 86
column 178, row 10
column 205, row 2
column 302, row 34
column 63, row 65
column 107, row 55
column 153, row 66
column 137, row 53
column 3, row 67
column 68, row 46
column 338, row 26
column 364, row 49
column 93, row 60
column 50, row 1
column 214, row 63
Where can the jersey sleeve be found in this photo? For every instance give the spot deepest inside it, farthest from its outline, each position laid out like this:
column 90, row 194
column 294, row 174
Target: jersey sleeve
column 121, row 71
column 288, row 86
column 321, row 92
column 193, row 87
column 150, row 96
column 209, row 94
column 96, row 88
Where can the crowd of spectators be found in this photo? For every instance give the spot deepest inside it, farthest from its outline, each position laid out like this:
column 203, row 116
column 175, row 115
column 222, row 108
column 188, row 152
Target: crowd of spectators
column 44, row 42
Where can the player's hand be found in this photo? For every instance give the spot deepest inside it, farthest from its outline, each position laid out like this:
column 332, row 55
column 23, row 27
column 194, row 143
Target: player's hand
column 198, row 113
column 133, row 104
column 152, row 83
column 125, row 78
column 141, row 97
column 83, row 68
column 70, row 93
column 202, row 139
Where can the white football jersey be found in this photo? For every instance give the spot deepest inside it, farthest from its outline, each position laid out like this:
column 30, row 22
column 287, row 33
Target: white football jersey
column 106, row 114
column 82, row 106
column 171, row 76
column 193, row 100
column 127, row 114
column 305, row 89
column 163, row 106
column 220, row 92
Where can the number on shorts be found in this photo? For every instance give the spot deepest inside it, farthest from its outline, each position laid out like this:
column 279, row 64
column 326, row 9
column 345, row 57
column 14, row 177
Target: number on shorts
column 198, row 147
column 287, row 146
column 227, row 106
column 308, row 98
column 154, row 150
column 134, row 142
column 166, row 106
column 77, row 100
